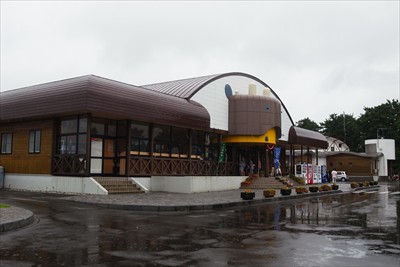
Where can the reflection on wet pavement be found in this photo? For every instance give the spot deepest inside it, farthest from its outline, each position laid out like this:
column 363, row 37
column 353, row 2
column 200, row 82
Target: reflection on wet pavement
column 343, row 230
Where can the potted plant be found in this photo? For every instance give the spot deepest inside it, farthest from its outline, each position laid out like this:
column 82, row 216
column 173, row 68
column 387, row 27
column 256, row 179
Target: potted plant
column 366, row 183
column 301, row 189
column 313, row 188
column 335, row 186
column 325, row 187
column 286, row 191
column 247, row 194
column 354, row 185
column 269, row 192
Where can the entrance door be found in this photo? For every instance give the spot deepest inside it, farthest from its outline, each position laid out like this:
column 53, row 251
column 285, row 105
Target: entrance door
column 109, row 157
column 102, row 159
column 96, row 156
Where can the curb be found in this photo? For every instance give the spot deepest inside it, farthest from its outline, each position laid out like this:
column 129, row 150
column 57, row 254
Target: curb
column 15, row 218
column 184, row 208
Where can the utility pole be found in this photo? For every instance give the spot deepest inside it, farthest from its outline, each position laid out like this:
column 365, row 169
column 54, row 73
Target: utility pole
column 344, row 126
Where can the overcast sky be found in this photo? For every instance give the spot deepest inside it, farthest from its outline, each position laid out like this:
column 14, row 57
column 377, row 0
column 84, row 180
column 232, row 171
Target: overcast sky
column 320, row 57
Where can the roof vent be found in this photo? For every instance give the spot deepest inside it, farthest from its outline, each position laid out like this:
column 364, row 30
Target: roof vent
column 252, row 89
column 266, row 91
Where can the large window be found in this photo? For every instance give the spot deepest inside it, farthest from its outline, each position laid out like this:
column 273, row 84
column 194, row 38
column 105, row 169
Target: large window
column 198, row 143
column 140, row 139
column 205, row 145
column 6, row 143
column 179, row 143
column 161, row 139
column 34, row 141
column 72, row 136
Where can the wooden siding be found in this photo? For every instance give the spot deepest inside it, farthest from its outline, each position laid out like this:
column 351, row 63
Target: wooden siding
column 20, row 160
column 352, row 165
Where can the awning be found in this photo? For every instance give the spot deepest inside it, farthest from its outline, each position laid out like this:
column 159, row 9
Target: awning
column 304, row 137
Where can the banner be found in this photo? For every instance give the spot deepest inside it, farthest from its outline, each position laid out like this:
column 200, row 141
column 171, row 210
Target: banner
column 222, row 153
column 277, row 154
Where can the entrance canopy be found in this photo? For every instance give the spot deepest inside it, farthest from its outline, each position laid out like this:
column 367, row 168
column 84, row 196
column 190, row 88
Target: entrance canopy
column 304, row 137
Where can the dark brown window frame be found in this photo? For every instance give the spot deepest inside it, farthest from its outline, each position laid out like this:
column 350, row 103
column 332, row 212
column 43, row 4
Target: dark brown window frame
column 6, row 152
column 35, row 131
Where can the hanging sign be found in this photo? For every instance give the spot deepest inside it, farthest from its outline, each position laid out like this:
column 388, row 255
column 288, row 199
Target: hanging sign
column 222, row 153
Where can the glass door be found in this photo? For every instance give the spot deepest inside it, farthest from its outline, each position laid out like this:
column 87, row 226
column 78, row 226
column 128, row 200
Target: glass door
column 96, row 155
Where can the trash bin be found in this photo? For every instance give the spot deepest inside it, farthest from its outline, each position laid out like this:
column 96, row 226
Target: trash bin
column 2, row 177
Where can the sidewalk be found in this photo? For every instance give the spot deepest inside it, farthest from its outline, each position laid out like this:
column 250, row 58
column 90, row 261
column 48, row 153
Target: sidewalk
column 165, row 201
column 13, row 217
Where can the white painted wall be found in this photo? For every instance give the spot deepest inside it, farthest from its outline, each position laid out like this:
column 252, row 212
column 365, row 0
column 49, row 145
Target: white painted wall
column 195, row 184
column 56, row 184
column 213, row 98
column 387, row 148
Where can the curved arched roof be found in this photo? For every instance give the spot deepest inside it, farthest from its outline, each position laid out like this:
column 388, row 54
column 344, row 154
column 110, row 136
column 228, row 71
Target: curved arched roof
column 101, row 97
column 186, row 88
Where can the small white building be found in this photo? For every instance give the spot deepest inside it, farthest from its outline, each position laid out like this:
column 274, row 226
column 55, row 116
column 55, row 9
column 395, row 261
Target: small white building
column 384, row 146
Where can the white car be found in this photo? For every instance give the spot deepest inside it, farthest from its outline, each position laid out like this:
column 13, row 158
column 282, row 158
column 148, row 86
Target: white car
column 342, row 176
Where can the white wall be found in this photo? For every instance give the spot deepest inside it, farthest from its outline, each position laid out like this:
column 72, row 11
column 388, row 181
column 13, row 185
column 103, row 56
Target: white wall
column 195, row 184
column 213, row 98
column 88, row 185
column 56, row 184
column 387, row 148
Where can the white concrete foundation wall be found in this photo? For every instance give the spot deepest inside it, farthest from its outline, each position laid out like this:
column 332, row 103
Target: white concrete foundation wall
column 195, row 184
column 56, row 184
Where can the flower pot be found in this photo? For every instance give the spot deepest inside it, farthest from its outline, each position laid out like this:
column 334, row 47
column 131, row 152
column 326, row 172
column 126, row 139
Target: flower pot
column 313, row 189
column 354, row 185
column 269, row 193
column 286, row 192
column 335, row 187
column 325, row 187
column 247, row 195
column 301, row 190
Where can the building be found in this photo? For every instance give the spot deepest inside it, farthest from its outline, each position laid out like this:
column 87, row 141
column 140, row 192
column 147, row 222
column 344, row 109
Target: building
column 187, row 135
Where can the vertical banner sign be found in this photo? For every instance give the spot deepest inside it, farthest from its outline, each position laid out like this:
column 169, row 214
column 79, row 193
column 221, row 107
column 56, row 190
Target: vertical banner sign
column 222, row 152
column 277, row 154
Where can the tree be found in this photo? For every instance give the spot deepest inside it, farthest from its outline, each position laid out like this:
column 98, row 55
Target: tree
column 308, row 124
column 346, row 128
column 383, row 121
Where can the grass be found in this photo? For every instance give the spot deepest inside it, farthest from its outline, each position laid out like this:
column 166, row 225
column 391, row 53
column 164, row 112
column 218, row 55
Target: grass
column 2, row 206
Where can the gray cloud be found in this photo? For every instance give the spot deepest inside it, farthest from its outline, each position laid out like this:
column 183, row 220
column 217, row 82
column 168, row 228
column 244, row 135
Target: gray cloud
column 320, row 57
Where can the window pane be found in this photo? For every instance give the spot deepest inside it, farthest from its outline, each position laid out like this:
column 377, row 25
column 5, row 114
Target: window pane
column 71, row 144
column 135, row 145
column 140, row 130
column 161, row 133
column 144, row 146
column 6, row 142
column 69, row 126
column 121, row 147
column 112, row 130
column 180, row 135
column 121, row 128
column 83, row 125
column 62, row 145
column 97, row 128
column 198, row 137
column 82, row 144
column 37, row 141
column 31, row 141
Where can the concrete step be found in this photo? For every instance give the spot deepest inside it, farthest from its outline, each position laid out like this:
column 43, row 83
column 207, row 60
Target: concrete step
column 118, row 185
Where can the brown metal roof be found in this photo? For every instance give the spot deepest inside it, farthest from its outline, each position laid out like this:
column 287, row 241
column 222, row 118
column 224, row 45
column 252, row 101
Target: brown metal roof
column 186, row 88
column 300, row 136
column 101, row 97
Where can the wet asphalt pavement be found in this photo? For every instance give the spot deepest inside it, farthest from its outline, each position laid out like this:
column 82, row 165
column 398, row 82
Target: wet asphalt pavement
column 352, row 229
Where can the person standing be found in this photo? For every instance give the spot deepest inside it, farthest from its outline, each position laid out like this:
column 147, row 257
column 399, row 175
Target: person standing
column 334, row 175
